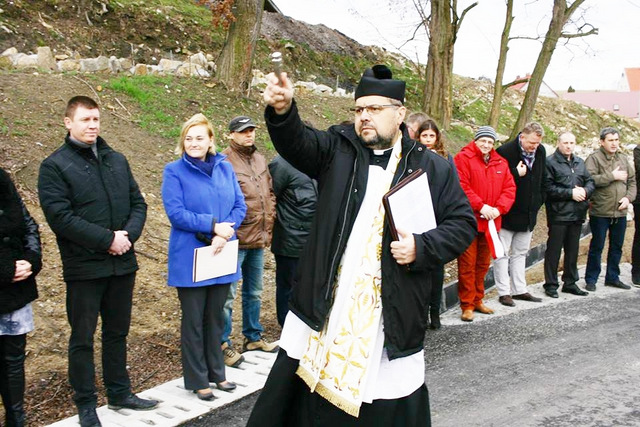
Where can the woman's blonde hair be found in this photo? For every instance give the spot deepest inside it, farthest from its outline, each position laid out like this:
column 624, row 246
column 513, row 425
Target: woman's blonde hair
column 197, row 120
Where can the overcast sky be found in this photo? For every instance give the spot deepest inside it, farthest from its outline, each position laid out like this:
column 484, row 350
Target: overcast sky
column 593, row 62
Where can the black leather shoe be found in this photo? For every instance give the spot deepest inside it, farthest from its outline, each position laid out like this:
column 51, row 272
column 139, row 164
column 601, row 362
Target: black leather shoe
column 552, row 293
column 507, row 300
column 574, row 290
column 133, row 402
column 590, row 287
column 526, row 297
column 88, row 417
column 208, row 396
column 617, row 284
column 226, row 386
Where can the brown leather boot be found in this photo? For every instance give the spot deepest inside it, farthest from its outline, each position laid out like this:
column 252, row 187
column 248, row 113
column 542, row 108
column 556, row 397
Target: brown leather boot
column 467, row 316
column 481, row 308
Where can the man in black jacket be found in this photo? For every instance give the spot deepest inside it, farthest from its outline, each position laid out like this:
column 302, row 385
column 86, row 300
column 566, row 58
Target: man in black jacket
column 94, row 206
column 337, row 363
column 569, row 186
column 527, row 158
column 296, row 198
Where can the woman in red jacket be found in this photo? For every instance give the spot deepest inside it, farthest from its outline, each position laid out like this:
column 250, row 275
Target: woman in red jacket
column 487, row 182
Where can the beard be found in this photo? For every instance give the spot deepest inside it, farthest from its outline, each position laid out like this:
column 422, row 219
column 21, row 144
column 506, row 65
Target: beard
column 378, row 142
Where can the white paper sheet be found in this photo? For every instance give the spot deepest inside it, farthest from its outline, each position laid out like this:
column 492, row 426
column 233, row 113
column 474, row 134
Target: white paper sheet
column 412, row 207
column 206, row 265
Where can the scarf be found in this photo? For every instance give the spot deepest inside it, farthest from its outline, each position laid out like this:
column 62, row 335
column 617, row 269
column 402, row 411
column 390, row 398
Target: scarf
column 205, row 165
column 337, row 362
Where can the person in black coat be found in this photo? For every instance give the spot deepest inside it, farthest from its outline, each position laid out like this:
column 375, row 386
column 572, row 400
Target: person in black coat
column 94, row 206
column 20, row 262
column 635, row 247
column 569, row 186
column 296, row 198
column 352, row 275
column 527, row 163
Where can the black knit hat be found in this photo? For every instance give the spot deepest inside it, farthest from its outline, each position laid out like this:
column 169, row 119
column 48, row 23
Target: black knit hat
column 377, row 81
column 485, row 131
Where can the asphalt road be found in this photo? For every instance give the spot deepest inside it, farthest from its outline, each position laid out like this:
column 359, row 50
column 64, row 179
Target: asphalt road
column 574, row 361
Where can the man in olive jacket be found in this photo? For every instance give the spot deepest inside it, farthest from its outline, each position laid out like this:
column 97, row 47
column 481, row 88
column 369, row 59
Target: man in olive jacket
column 352, row 275
column 94, row 206
column 615, row 181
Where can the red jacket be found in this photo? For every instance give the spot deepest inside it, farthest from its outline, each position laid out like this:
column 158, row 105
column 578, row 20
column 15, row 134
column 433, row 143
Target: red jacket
column 485, row 183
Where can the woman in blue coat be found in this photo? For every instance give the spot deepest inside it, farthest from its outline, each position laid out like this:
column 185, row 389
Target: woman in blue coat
column 204, row 203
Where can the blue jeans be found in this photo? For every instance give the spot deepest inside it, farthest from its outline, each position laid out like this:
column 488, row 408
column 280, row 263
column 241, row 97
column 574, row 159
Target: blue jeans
column 250, row 261
column 599, row 227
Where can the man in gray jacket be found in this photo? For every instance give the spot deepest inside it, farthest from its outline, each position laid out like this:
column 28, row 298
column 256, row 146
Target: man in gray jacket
column 615, row 181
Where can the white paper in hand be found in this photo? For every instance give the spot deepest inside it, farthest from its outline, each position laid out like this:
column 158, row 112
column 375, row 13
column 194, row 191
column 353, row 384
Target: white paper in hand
column 206, row 265
column 412, row 207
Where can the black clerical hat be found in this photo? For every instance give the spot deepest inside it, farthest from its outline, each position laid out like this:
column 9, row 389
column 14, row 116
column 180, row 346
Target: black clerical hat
column 377, row 81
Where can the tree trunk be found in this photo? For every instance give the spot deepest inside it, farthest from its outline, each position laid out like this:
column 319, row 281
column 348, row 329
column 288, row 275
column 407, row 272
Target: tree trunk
column 235, row 63
column 498, row 89
column 561, row 14
column 439, row 70
column 443, row 25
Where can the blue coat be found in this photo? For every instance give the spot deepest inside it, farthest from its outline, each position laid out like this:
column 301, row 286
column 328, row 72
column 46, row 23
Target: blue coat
column 193, row 200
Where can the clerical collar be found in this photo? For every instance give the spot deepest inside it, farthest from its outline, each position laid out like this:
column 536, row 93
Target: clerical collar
column 380, row 157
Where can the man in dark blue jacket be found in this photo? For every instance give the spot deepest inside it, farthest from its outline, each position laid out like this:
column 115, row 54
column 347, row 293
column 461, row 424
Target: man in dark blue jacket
column 296, row 198
column 569, row 186
column 527, row 158
column 94, row 206
column 337, row 362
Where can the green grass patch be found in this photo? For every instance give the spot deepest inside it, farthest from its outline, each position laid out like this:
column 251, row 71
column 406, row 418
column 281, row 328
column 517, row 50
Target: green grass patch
column 153, row 96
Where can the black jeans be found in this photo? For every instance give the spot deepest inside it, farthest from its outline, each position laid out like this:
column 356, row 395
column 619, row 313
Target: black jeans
column 285, row 272
column 12, row 377
column 561, row 236
column 110, row 297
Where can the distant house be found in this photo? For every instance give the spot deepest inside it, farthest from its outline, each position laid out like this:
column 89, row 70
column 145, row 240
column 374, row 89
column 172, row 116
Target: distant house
column 625, row 101
column 545, row 89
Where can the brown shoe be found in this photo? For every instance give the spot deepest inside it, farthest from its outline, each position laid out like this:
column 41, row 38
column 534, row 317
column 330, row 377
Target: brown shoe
column 467, row 316
column 507, row 300
column 260, row 345
column 527, row 297
column 232, row 358
column 481, row 308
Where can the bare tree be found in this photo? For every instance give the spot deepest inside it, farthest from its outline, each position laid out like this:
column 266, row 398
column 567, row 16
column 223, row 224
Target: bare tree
column 442, row 25
column 243, row 19
column 498, row 88
column 562, row 11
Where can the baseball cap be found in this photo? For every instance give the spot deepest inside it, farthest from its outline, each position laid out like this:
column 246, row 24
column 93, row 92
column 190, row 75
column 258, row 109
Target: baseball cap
column 240, row 123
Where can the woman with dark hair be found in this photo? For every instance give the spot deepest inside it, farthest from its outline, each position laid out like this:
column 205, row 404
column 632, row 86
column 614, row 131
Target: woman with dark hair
column 20, row 261
column 429, row 135
column 205, row 206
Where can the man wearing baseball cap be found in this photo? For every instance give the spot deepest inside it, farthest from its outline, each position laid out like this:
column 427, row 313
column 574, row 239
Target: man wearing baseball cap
column 352, row 346
column 254, row 235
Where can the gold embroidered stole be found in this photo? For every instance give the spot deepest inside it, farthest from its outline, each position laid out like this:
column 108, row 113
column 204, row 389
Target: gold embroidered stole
column 337, row 359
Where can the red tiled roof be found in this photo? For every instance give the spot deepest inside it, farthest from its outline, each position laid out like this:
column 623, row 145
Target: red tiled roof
column 633, row 78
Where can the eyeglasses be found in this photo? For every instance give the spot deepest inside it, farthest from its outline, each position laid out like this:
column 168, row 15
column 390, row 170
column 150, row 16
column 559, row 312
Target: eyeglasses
column 372, row 109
